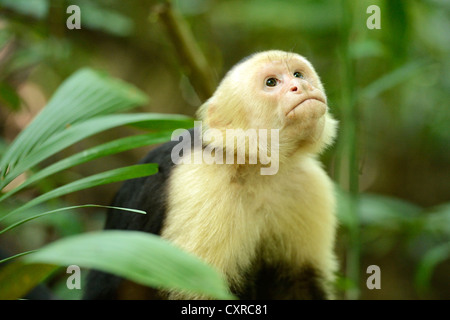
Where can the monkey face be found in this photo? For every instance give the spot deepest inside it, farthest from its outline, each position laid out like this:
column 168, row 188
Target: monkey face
column 288, row 95
column 273, row 90
column 294, row 88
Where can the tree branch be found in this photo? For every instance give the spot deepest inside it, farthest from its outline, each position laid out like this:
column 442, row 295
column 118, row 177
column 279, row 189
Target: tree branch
column 188, row 51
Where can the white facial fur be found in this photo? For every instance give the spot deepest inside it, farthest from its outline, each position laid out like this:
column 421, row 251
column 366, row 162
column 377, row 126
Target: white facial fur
column 296, row 106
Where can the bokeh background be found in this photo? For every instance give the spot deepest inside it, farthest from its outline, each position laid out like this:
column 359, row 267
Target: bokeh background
column 388, row 87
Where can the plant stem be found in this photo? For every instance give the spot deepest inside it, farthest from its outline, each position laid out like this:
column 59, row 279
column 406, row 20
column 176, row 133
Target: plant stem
column 348, row 148
column 188, row 50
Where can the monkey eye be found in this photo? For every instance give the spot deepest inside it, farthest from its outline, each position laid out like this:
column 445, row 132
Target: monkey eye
column 298, row 75
column 271, row 82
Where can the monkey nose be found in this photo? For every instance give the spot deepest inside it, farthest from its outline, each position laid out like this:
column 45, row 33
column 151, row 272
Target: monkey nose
column 294, row 88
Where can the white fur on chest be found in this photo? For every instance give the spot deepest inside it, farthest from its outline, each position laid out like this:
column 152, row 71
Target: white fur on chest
column 226, row 221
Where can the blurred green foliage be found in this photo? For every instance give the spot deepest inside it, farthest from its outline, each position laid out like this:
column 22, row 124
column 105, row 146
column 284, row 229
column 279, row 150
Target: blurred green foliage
column 397, row 87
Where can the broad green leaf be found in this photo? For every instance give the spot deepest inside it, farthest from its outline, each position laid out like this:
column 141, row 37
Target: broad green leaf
column 141, row 257
column 384, row 210
column 84, row 95
column 182, row 123
column 108, row 148
column 75, row 133
column 374, row 209
column 110, row 176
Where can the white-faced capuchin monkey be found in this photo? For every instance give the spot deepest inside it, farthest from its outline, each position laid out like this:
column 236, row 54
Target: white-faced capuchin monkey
column 270, row 233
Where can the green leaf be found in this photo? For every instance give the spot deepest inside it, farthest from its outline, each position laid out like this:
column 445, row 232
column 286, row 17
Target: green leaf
column 179, row 122
column 392, row 79
column 100, row 18
column 110, row 176
column 386, row 211
column 375, row 209
column 108, row 148
column 9, row 97
column 437, row 220
column 16, row 256
column 28, row 217
column 141, row 257
column 35, row 8
column 84, row 95
column 429, row 263
column 18, row 278
column 80, row 131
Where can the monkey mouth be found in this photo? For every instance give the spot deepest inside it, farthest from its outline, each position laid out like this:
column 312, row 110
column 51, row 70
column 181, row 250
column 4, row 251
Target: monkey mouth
column 303, row 101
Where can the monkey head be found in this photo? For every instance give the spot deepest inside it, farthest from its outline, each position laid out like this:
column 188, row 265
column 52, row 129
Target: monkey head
column 274, row 90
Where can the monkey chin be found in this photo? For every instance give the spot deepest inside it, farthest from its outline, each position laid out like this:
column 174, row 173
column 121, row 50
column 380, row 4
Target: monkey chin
column 308, row 110
column 305, row 124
